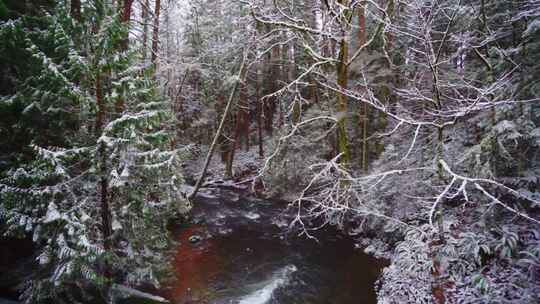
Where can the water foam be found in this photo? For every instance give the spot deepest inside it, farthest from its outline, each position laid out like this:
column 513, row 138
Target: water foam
column 264, row 294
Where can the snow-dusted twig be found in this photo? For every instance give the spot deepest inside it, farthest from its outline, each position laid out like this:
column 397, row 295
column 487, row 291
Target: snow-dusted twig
column 477, row 182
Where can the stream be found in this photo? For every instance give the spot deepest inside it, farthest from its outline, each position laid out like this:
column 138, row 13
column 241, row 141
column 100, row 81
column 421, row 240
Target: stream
column 241, row 251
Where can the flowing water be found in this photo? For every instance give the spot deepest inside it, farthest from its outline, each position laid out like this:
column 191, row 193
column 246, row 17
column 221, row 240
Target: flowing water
column 246, row 256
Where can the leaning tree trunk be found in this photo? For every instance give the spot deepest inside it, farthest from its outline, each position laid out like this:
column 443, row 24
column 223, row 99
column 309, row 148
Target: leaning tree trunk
column 219, row 130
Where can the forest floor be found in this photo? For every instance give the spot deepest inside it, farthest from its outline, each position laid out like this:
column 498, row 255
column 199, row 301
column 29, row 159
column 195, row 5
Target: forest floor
column 245, row 166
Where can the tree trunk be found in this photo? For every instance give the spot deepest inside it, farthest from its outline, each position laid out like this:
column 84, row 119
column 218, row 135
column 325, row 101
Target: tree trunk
column 388, row 98
column 245, row 101
column 144, row 17
column 234, row 144
column 105, row 212
column 365, row 145
column 383, row 119
column 155, row 32
column 259, row 112
column 106, row 228
column 296, row 111
column 440, row 143
column 101, row 107
column 75, row 9
column 364, row 115
column 125, row 17
column 270, row 103
column 219, row 130
column 342, row 79
column 241, row 129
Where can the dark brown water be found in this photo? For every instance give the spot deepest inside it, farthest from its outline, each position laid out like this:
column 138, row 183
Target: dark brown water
column 248, row 257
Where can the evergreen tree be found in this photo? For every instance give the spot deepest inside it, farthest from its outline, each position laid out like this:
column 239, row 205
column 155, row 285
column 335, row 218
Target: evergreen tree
column 97, row 184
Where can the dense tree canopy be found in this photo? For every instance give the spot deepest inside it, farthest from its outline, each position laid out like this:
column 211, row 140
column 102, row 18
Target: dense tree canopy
column 412, row 124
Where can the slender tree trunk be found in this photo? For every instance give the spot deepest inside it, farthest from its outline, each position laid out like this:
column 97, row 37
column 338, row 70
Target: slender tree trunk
column 387, row 95
column 312, row 94
column 292, row 62
column 342, row 80
column 105, row 212
column 219, row 130
column 440, row 145
column 241, row 129
column 246, row 114
column 270, row 103
column 223, row 141
column 365, row 144
column 169, row 49
column 284, row 60
column 155, row 33
column 75, row 9
column 106, row 228
column 259, row 104
column 234, row 145
column 101, row 107
column 363, row 123
column 296, row 111
column 361, row 34
column 144, row 17
column 383, row 121
column 125, row 17
column 259, row 112
column 439, row 149
column 283, row 75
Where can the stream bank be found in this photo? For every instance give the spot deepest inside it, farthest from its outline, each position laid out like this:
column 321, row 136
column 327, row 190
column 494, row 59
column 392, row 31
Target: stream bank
column 240, row 249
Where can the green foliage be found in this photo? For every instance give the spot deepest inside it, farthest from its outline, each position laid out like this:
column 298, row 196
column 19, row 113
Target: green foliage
column 51, row 183
column 3, row 10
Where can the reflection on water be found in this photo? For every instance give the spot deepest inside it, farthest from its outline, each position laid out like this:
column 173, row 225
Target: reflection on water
column 248, row 259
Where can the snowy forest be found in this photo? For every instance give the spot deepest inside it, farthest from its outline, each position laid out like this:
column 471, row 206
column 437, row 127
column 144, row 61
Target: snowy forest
column 257, row 151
